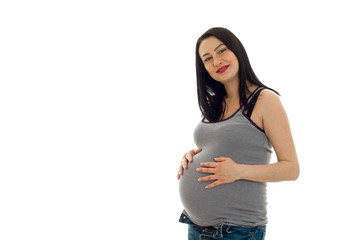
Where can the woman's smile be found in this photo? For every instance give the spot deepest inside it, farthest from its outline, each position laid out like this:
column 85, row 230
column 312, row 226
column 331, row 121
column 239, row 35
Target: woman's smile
column 223, row 69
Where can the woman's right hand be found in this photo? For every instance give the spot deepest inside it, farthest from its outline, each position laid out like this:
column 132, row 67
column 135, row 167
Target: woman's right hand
column 188, row 157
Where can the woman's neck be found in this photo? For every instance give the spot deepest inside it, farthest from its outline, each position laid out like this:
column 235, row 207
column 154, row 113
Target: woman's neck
column 232, row 91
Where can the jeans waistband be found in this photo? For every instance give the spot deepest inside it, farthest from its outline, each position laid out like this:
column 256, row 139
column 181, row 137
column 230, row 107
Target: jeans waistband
column 185, row 219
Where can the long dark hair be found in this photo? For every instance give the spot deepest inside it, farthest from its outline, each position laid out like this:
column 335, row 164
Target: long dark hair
column 211, row 93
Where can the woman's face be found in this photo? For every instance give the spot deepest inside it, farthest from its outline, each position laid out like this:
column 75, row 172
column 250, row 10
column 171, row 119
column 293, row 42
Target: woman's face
column 220, row 62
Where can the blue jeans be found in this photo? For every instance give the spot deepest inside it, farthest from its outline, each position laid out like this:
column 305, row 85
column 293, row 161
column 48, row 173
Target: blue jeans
column 224, row 232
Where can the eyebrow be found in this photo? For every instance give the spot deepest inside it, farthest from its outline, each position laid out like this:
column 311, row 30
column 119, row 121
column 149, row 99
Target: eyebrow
column 214, row 50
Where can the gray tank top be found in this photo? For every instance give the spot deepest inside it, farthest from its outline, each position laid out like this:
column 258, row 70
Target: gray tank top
column 240, row 203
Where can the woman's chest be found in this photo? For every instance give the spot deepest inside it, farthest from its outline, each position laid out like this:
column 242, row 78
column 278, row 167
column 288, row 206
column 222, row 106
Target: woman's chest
column 233, row 133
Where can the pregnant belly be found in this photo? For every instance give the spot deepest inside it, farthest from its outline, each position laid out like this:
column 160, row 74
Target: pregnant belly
column 204, row 204
column 211, row 205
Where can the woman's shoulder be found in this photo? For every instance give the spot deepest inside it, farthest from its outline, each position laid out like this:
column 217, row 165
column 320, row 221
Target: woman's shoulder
column 269, row 99
column 264, row 95
column 269, row 94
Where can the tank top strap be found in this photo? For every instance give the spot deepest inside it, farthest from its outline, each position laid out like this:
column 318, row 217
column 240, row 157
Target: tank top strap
column 252, row 101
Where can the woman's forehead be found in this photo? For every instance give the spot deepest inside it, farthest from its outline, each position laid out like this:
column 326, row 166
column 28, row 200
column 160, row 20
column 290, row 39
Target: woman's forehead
column 209, row 45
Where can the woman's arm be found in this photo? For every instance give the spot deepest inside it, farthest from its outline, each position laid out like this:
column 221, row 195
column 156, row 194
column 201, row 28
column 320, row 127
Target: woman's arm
column 274, row 121
column 277, row 128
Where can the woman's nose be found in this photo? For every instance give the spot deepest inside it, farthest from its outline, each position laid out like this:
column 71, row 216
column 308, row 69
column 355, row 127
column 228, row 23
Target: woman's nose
column 217, row 62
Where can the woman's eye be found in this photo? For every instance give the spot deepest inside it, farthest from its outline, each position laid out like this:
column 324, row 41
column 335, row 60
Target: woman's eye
column 207, row 59
column 222, row 50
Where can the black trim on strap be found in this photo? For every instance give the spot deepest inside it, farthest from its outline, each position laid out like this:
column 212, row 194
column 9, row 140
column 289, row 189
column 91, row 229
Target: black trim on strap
column 252, row 101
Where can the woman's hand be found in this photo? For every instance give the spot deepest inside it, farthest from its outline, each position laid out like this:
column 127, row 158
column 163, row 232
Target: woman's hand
column 224, row 170
column 188, row 157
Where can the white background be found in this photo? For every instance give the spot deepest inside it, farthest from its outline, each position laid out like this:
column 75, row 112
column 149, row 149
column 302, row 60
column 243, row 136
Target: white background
column 98, row 104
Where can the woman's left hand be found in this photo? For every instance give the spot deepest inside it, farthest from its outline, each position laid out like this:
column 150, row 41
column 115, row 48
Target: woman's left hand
column 223, row 170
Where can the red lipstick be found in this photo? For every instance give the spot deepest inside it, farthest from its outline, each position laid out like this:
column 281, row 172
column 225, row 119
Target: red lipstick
column 223, row 69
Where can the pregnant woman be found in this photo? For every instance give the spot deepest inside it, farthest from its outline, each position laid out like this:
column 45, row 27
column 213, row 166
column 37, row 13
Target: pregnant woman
column 223, row 181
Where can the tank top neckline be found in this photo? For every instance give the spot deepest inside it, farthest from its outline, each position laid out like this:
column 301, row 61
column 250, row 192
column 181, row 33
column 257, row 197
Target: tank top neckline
column 248, row 100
